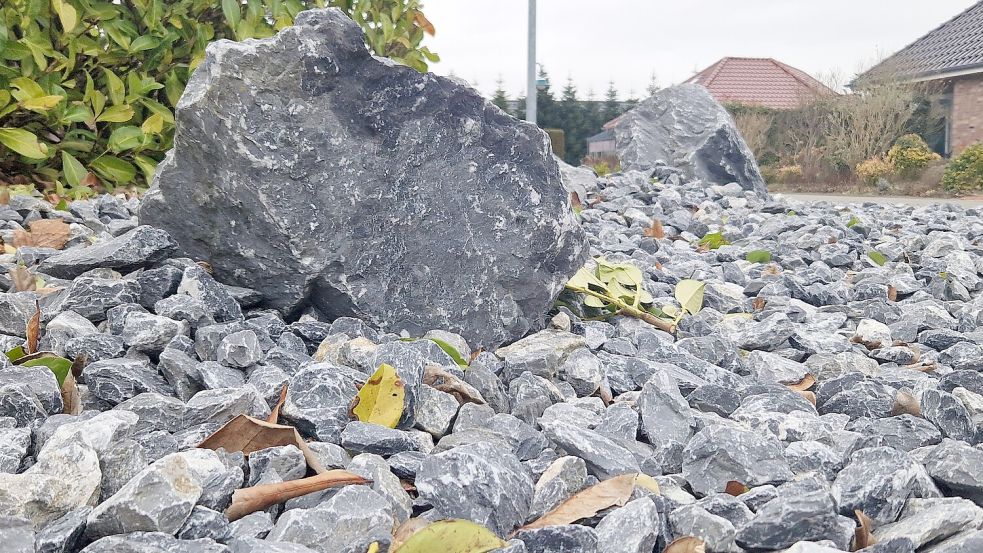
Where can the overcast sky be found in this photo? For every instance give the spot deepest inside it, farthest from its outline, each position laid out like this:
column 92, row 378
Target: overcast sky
column 596, row 41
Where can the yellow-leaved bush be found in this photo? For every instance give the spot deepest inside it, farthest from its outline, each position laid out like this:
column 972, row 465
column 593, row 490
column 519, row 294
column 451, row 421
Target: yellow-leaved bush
column 88, row 87
column 874, row 168
column 910, row 155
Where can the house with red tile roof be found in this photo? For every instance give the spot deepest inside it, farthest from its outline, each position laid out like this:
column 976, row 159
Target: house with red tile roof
column 951, row 58
column 764, row 82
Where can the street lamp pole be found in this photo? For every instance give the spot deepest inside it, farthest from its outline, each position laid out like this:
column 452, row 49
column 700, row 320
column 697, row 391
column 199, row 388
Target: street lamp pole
column 531, row 69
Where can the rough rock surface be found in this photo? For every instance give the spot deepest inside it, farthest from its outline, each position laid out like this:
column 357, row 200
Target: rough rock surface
column 405, row 194
column 895, row 431
column 684, row 126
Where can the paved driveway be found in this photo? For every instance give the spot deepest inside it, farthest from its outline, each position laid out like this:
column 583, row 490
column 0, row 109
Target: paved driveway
column 971, row 201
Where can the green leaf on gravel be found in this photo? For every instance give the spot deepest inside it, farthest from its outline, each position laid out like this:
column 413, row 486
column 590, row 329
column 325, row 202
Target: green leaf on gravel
column 758, row 256
column 449, row 350
column 714, row 240
column 877, row 257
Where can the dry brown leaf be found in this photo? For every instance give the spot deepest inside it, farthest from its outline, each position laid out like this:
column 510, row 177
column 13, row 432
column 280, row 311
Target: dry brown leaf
column 257, row 498
column 207, row 266
column 807, row 382
column 758, row 303
column 79, row 363
column 246, row 434
column 609, row 493
column 275, row 413
column 70, row 396
column 892, row 293
column 656, row 231
column 438, row 378
column 905, row 404
column 810, row 397
column 475, row 354
column 863, row 536
column 90, row 180
column 924, row 368
column 5, row 196
column 575, row 201
column 689, row 544
column 604, row 391
column 424, row 23
column 34, row 330
column 44, row 233
column 23, row 279
column 735, row 488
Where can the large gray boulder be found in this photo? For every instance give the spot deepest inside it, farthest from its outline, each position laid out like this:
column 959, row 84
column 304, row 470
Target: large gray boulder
column 686, row 128
column 307, row 169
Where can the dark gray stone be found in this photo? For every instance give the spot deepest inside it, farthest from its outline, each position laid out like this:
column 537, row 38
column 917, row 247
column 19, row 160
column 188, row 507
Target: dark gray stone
column 633, row 528
column 478, row 482
column 684, row 126
column 559, row 539
column 605, row 457
column 318, row 399
column 219, row 303
column 64, row 534
column 153, row 542
column 805, row 514
column 719, row 454
column 157, row 284
column 878, row 481
column 117, row 380
column 497, row 170
column 205, row 523
column 949, row 414
column 363, row 437
column 140, row 247
column 957, row 468
column 91, row 297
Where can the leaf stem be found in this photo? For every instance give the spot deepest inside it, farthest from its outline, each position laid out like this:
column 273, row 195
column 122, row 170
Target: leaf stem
column 630, row 310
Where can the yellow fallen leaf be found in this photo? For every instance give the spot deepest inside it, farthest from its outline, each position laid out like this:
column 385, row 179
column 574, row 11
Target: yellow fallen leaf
column 688, row 544
column 380, row 401
column 451, row 536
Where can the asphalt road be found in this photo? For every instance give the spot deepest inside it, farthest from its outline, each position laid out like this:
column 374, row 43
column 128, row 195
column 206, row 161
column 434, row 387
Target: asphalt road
column 975, row 201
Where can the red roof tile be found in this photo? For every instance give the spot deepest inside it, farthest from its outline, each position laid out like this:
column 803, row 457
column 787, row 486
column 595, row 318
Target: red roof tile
column 759, row 81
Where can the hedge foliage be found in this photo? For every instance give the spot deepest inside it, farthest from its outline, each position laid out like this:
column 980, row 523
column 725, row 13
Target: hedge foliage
column 88, row 87
column 965, row 171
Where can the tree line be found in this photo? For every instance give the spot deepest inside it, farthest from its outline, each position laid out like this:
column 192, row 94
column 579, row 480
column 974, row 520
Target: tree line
column 579, row 118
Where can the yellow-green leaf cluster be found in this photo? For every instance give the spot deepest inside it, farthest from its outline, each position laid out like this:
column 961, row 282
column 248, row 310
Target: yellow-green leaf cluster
column 88, row 87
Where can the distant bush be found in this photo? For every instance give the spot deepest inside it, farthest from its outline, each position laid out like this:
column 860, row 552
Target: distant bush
column 602, row 168
column 789, row 174
column 87, row 87
column 874, row 168
column 965, row 172
column 910, row 155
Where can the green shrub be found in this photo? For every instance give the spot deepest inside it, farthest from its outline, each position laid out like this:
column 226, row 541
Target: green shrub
column 910, row 155
column 965, row 172
column 87, row 87
column 874, row 168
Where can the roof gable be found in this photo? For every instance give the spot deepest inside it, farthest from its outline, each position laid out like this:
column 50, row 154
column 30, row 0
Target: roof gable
column 954, row 46
column 759, row 81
